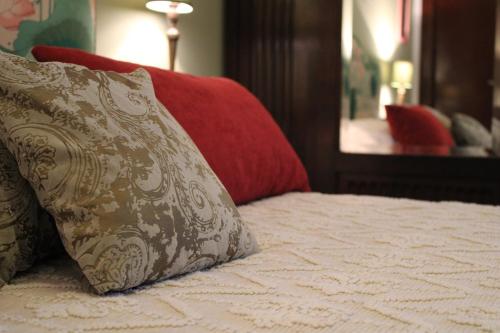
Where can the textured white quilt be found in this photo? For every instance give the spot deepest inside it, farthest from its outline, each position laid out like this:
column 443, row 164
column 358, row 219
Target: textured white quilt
column 328, row 263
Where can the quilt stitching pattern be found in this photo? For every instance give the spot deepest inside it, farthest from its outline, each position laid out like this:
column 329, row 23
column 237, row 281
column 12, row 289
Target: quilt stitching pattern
column 328, row 263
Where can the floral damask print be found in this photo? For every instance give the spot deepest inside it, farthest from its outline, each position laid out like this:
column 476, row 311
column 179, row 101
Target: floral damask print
column 133, row 198
column 117, row 265
column 26, row 232
column 202, row 209
column 8, row 170
column 17, row 219
column 39, row 155
column 33, row 73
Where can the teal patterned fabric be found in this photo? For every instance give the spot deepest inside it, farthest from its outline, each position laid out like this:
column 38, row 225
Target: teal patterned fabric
column 26, row 23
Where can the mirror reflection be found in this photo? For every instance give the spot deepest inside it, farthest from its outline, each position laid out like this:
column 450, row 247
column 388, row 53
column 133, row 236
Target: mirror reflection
column 420, row 77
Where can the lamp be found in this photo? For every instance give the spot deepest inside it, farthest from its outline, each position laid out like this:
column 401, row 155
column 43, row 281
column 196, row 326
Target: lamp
column 173, row 9
column 402, row 77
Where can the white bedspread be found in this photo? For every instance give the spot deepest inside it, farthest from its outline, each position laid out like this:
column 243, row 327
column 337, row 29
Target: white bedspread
column 328, row 263
column 366, row 135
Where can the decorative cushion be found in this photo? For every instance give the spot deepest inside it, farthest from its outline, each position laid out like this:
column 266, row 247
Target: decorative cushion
column 470, row 151
column 238, row 137
column 443, row 119
column 415, row 125
column 467, row 131
column 26, row 232
column 133, row 198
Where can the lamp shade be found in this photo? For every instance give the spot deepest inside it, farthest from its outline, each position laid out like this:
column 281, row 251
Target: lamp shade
column 402, row 74
column 170, row 7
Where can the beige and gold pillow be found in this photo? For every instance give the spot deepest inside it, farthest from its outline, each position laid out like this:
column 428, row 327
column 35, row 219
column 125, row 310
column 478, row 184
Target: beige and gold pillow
column 26, row 231
column 133, row 198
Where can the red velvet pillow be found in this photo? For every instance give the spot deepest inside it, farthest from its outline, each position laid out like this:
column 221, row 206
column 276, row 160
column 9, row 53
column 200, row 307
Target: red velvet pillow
column 415, row 125
column 233, row 130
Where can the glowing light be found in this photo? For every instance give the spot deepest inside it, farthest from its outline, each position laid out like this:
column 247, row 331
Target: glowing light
column 385, row 40
column 139, row 38
column 385, row 98
column 402, row 74
column 381, row 18
column 347, row 28
column 163, row 6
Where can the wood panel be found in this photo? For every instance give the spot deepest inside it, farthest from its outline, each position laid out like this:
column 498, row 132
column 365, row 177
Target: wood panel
column 287, row 53
column 429, row 189
column 458, row 56
column 317, row 87
column 496, row 90
column 420, row 177
column 259, row 52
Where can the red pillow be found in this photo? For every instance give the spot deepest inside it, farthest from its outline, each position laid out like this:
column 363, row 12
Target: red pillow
column 417, row 126
column 232, row 129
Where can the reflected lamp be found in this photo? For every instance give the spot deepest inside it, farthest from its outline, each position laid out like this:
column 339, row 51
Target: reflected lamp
column 402, row 78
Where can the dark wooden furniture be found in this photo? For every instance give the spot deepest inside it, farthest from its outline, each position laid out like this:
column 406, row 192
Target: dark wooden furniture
column 288, row 53
column 458, row 57
column 496, row 88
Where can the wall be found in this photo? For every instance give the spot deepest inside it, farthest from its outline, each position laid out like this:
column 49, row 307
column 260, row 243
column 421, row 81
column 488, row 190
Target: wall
column 416, row 48
column 127, row 31
column 375, row 23
column 371, row 43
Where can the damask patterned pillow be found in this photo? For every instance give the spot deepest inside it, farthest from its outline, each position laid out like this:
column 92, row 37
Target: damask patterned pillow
column 26, row 231
column 133, row 198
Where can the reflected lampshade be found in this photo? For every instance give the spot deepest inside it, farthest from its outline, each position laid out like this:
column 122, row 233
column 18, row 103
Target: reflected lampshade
column 170, row 7
column 402, row 74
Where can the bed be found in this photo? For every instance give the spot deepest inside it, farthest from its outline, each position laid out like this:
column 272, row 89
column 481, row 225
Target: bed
column 327, row 263
column 373, row 136
column 162, row 203
column 366, row 135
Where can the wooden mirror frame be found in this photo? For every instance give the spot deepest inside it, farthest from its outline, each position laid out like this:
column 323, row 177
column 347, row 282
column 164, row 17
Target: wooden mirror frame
column 288, row 53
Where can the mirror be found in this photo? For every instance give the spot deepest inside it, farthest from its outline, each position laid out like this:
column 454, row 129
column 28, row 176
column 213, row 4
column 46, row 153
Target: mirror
column 421, row 77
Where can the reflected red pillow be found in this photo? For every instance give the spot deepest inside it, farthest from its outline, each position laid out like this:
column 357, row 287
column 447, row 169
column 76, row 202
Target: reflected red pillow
column 236, row 134
column 417, row 126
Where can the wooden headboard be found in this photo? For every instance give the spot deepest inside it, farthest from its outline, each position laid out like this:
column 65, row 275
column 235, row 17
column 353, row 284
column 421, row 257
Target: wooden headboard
column 287, row 52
